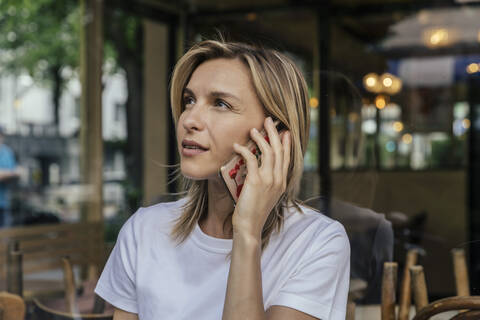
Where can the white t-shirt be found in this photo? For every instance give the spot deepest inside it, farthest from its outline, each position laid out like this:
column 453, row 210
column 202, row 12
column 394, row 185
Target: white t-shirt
column 305, row 267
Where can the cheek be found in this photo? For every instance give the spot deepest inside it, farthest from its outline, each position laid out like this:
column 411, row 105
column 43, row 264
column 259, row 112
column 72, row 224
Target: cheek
column 179, row 129
column 225, row 141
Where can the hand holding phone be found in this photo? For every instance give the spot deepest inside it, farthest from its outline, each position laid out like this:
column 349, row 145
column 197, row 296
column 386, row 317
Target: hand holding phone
column 234, row 172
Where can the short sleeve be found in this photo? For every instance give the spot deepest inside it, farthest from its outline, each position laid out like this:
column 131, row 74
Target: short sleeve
column 319, row 286
column 117, row 281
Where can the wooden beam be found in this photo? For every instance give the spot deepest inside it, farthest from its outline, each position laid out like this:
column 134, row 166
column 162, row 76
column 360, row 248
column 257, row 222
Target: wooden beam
column 91, row 140
column 156, row 119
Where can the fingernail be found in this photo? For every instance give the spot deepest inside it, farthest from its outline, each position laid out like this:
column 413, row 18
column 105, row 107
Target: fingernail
column 269, row 119
column 255, row 130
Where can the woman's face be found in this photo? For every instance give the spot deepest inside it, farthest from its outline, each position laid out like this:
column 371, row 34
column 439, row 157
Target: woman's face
column 221, row 107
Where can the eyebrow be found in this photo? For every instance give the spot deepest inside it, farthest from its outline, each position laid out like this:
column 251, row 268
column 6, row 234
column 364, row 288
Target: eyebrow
column 216, row 94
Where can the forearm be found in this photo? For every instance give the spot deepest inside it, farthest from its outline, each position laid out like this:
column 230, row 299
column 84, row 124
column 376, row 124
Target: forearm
column 124, row 315
column 7, row 174
column 244, row 297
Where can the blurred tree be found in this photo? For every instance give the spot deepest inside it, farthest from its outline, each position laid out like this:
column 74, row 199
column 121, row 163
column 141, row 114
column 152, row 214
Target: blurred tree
column 40, row 37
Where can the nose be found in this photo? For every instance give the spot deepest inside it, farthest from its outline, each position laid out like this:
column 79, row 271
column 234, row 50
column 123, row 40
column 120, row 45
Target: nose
column 193, row 118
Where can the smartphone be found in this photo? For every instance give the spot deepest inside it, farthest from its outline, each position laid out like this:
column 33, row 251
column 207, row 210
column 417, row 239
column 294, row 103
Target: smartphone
column 234, row 172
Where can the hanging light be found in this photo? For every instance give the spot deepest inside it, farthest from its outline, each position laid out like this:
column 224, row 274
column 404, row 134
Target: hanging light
column 380, row 101
column 387, row 80
column 390, row 84
column 434, row 38
column 472, row 68
column 252, row 16
column 372, row 83
column 387, row 83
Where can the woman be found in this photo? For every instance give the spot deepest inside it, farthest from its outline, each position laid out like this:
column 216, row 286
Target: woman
column 202, row 257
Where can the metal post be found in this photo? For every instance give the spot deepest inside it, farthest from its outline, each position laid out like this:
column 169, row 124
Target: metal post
column 473, row 181
column 323, row 53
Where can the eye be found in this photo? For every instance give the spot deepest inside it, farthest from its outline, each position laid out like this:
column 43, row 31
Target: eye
column 222, row 104
column 187, row 100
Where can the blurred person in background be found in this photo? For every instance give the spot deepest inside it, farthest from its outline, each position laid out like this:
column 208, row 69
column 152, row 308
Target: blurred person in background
column 8, row 173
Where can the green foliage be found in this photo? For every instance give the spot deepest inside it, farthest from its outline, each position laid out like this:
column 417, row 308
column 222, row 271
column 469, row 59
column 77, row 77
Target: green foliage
column 123, row 37
column 39, row 36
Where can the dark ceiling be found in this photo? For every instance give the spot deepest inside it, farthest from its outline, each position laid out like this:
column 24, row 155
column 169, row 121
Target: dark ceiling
column 356, row 26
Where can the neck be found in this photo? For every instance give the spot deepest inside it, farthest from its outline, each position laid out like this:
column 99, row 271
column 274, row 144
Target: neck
column 218, row 222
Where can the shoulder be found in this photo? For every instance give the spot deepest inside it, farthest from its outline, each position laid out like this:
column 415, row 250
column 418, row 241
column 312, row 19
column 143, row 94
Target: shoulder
column 319, row 230
column 158, row 217
column 161, row 211
column 312, row 219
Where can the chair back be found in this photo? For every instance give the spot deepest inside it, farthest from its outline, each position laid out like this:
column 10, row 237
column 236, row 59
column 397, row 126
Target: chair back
column 12, row 307
column 44, row 312
column 43, row 246
column 471, row 304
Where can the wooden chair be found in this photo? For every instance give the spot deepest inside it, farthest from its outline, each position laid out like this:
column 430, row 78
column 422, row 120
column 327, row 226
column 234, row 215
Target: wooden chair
column 41, row 249
column 414, row 282
column 468, row 306
column 86, row 306
column 405, row 289
column 389, row 287
column 472, row 304
column 45, row 312
column 12, row 307
column 461, row 274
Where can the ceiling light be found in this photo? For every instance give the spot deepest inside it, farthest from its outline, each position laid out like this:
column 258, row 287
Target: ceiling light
column 436, row 37
column 472, row 68
column 372, row 83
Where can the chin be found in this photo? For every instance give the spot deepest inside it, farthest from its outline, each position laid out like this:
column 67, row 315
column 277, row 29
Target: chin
column 195, row 173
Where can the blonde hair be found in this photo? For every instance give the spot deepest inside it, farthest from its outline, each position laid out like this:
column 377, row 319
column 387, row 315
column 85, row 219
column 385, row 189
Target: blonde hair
column 283, row 92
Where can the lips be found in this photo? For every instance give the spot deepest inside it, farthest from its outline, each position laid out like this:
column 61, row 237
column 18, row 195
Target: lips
column 193, row 145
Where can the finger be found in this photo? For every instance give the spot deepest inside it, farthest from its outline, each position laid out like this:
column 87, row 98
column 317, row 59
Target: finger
column 265, row 149
column 272, row 132
column 287, row 144
column 249, row 157
column 277, row 148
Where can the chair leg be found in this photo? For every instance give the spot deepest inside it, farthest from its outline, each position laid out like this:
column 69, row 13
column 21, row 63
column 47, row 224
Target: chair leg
column 69, row 283
column 461, row 273
column 406, row 289
column 389, row 285
column 99, row 305
column 14, row 269
column 419, row 287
